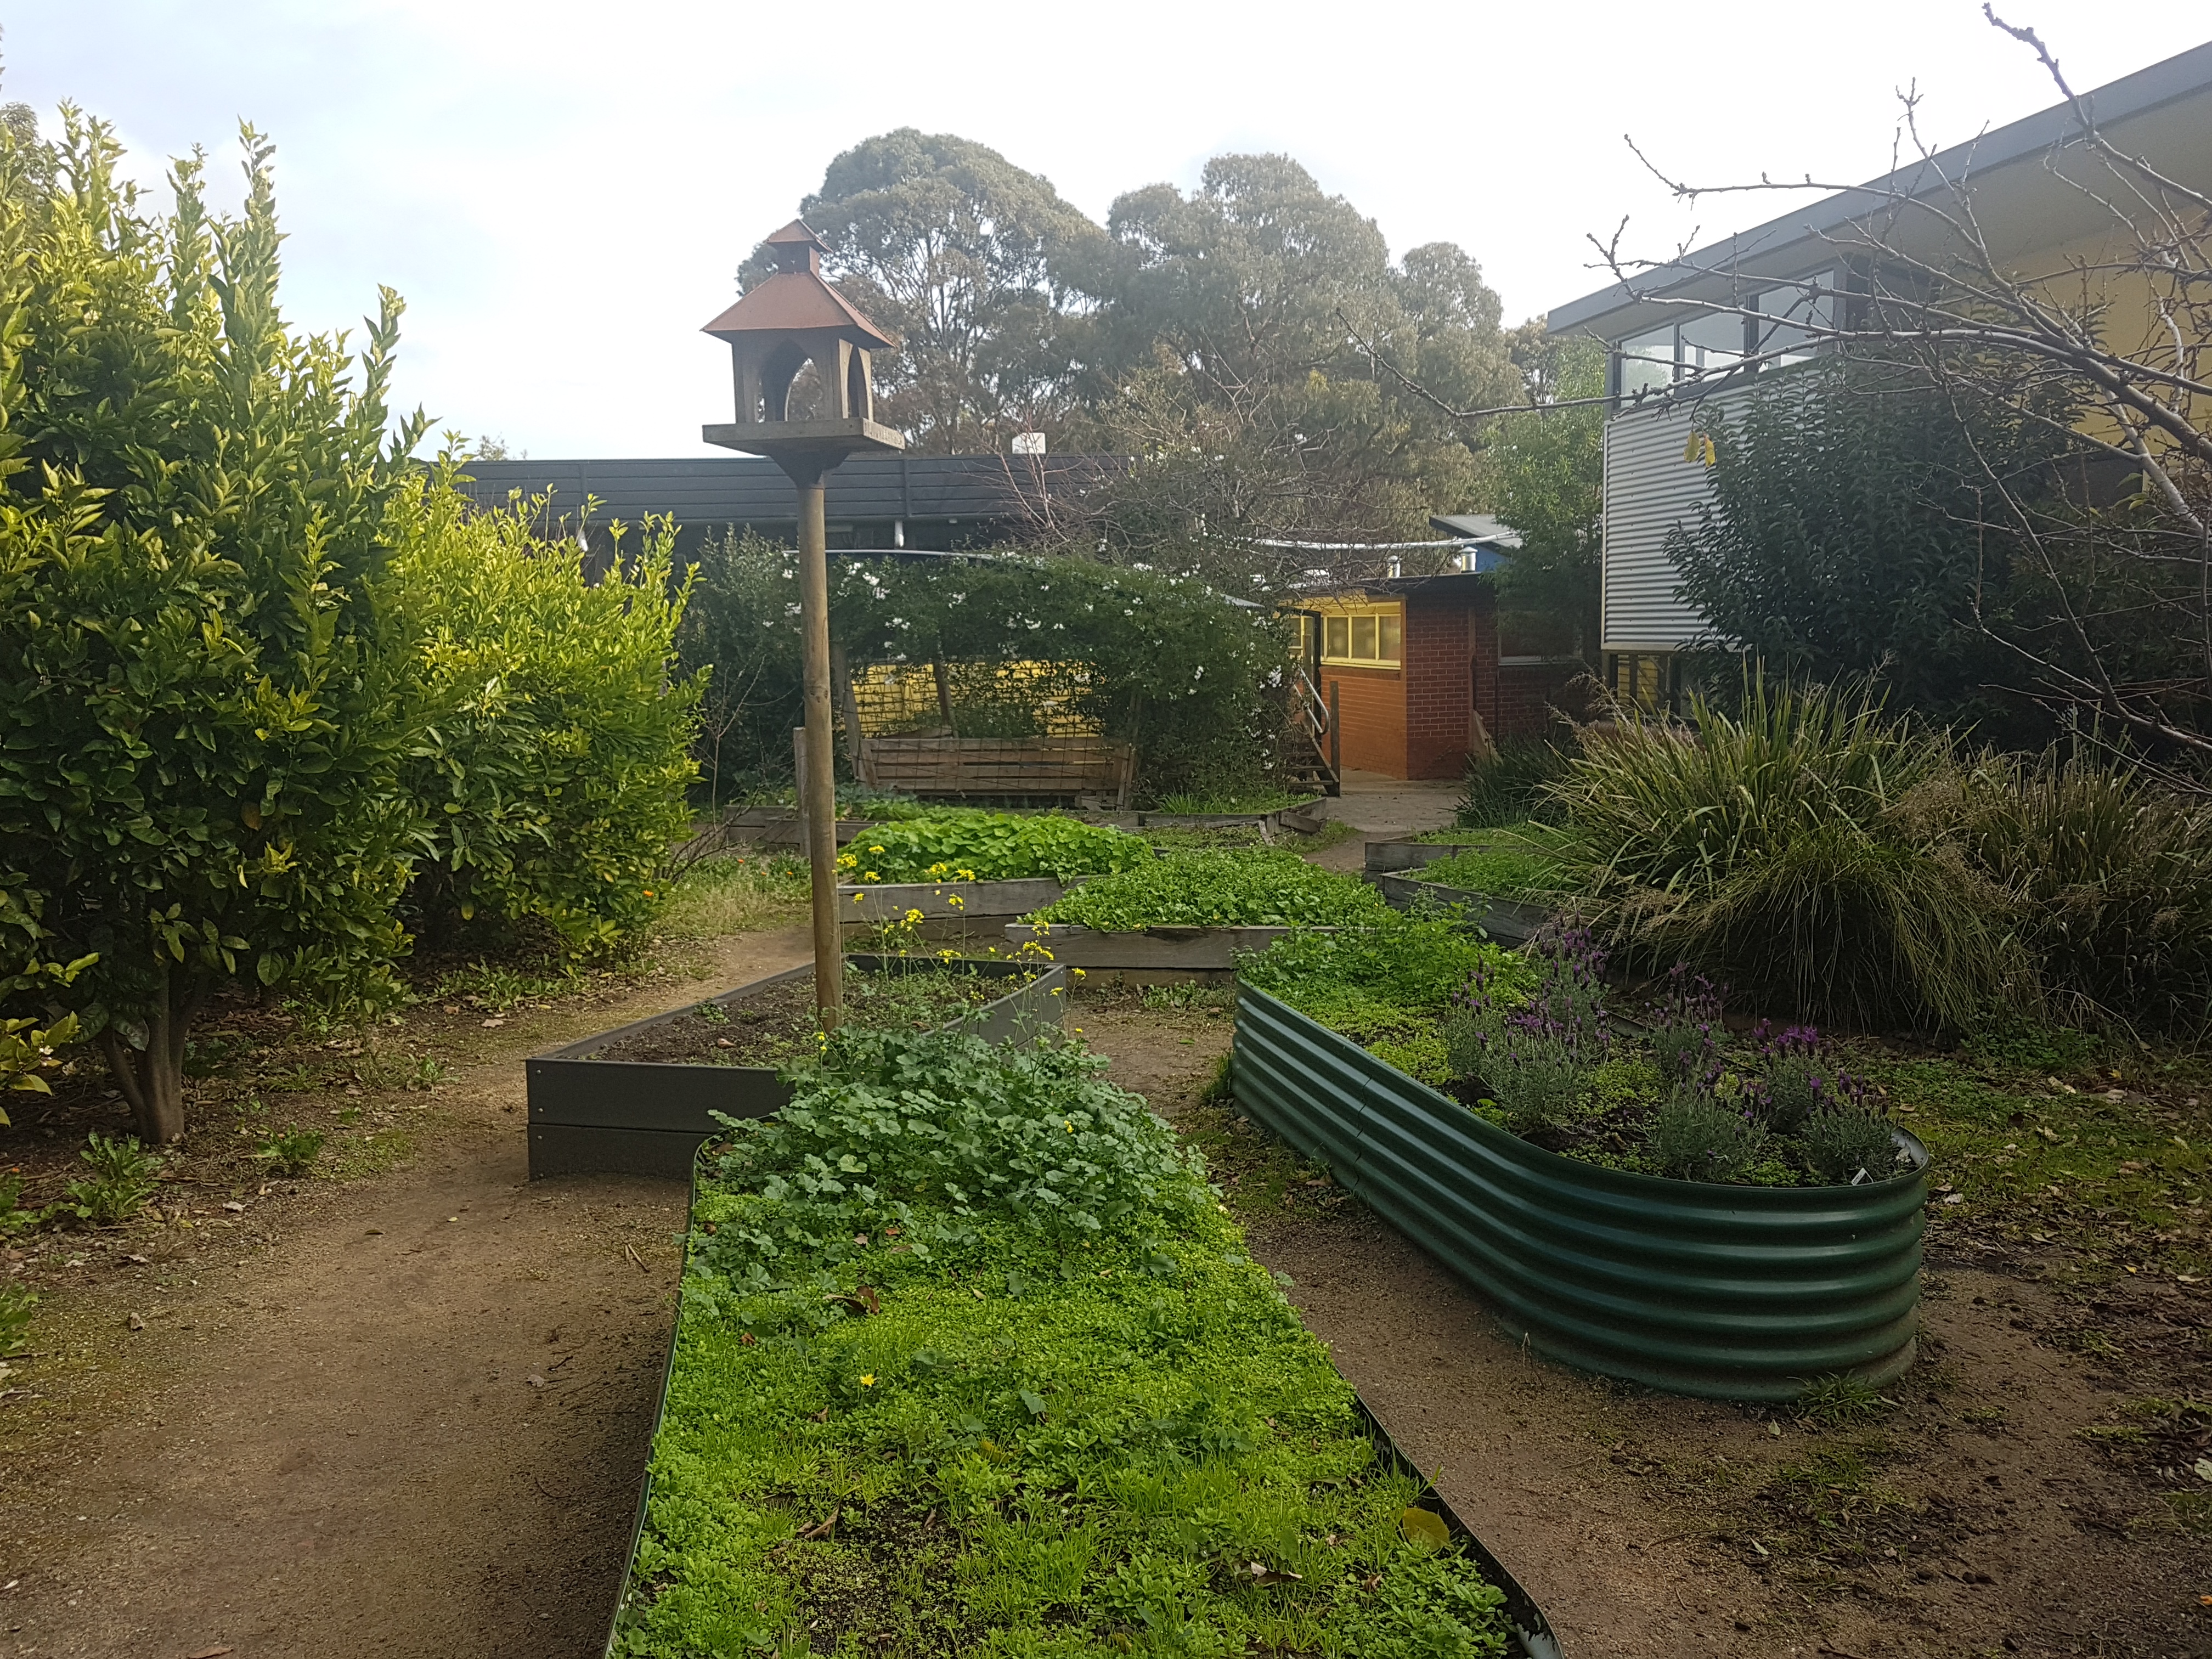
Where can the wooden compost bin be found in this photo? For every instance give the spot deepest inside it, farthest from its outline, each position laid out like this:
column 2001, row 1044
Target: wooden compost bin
column 646, row 1117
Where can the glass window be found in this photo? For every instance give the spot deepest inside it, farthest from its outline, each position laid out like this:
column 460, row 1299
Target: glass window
column 1387, row 648
column 1363, row 638
column 1647, row 362
column 1712, row 342
column 1337, row 634
column 1810, row 300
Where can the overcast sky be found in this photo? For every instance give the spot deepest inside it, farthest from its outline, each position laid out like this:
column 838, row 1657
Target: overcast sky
column 562, row 192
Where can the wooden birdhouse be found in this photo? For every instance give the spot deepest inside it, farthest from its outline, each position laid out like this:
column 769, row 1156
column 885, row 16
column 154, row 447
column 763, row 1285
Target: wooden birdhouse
column 785, row 321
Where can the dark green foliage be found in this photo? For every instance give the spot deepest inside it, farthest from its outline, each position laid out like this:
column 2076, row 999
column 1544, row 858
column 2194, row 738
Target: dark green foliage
column 1510, row 785
column 2113, row 876
column 291, row 1152
column 1164, row 661
column 1543, row 476
column 123, row 1176
column 1257, row 888
column 1787, row 851
column 551, row 743
column 951, row 1422
column 957, row 845
column 1853, row 530
column 16, row 1307
column 197, row 696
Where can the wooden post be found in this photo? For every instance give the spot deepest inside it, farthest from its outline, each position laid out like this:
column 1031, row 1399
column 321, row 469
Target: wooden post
column 943, row 694
column 848, row 707
column 817, row 788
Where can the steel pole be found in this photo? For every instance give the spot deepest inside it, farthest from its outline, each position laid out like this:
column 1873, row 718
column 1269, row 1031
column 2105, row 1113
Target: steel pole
column 818, row 788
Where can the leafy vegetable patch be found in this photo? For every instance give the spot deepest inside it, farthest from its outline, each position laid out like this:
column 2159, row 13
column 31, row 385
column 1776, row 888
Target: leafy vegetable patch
column 1259, row 888
column 959, row 844
column 970, row 1361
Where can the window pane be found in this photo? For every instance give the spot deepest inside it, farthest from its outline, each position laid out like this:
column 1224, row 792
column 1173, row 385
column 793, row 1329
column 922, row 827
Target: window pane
column 1338, row 636
column 1362, row 639
column 1388, row 648
column 1712, row 342
column 1812, row 300
column 1647, row 360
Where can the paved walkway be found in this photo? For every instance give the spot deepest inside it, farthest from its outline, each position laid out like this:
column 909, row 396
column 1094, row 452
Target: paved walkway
column 1382, row 808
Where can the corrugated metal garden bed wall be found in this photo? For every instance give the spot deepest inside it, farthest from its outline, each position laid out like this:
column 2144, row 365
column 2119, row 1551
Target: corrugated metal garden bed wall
column 1731, row 1292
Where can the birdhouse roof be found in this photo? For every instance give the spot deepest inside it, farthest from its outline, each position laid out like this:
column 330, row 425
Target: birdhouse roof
column 787, row 301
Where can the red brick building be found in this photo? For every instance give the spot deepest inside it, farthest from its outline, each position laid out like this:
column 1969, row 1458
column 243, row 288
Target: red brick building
column 1414, row 663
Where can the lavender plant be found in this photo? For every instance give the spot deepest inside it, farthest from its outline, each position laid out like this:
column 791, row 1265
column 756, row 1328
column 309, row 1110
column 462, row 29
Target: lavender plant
column 1532, row 1057
column 1696, row 1136
column 1685, row 1043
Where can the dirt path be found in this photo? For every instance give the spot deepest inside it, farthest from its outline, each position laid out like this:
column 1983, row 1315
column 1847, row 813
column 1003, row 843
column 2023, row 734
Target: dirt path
column 413, row 1424
column 1974, row 1519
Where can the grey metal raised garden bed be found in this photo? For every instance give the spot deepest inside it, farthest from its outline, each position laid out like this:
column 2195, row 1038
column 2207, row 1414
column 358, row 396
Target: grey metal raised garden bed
column 1385, row 857
column 1179, row 949
column 1509, row 921
column 1533, row 1638
column 1732, row 1292
column 637, row 1117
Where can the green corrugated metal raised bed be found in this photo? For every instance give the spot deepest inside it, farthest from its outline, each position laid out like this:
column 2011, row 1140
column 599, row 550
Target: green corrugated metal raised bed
column 1736, row 1292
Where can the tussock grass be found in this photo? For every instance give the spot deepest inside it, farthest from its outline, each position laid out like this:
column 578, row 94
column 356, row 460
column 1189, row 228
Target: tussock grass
column 740, row 893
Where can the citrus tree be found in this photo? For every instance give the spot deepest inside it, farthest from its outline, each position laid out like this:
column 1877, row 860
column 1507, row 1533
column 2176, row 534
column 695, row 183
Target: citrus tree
column 200, row 707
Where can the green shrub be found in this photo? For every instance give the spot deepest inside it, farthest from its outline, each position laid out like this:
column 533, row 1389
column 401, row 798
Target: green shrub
column 554, row 754
column 1511, row 783
column 2113, row 876
column 16, row 1307
column 953, row 844
column 901, row 1364
column 199, row 708
column 1785, row 852
column 1696, row 1137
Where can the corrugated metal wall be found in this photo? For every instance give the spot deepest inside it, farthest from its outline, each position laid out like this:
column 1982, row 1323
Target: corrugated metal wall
column 1649, row 489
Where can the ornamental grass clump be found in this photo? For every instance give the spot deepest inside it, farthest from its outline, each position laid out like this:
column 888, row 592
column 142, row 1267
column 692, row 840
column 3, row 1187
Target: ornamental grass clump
column 969, row 1360
column 1786, row 848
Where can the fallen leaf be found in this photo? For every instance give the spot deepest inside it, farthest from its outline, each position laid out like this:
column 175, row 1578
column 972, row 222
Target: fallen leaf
column 822, row 1416
column 233, row 1206
column 135, row 1322
column 1956, row 1198
column 1421, row 1527
column 1262, row 1575
column 2204, row 1468
column 140, row 1260
column 490, row 1023
column 632, row 1254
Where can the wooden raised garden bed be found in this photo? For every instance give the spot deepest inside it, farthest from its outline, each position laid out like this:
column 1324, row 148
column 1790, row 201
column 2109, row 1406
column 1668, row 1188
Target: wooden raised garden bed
column 647, row 1115
column 1301, row 817
column 1735, row 1292
column 1386, row 857
column 1102, row 770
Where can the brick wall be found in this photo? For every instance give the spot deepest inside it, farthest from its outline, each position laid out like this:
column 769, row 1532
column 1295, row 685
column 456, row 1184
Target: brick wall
column 1526, row 693
column 1371, row 703
column 1439, row 639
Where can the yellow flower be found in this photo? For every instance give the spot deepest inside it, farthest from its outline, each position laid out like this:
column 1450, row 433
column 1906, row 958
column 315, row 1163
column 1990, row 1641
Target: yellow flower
column 875, row 849
column 869, row 1380
column 871, row 876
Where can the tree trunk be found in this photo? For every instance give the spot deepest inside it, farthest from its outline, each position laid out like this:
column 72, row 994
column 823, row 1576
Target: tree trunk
column 152, row 1079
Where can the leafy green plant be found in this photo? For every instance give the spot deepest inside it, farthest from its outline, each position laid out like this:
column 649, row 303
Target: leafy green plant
column 1199, row 802
column 1391, row 975
column 499, row 987
column 966, row 845
column 291, row 1152
column 1063, row 1431
column 1507, row 869
column 1838, row 1142
column 1785, row 850
column 124, row 1175
column 736, row 893
column 1696, row 1137
column 554, row 752
column 16, row 1307
column 200, row 718
column 1269, row 889
column 13, row 1217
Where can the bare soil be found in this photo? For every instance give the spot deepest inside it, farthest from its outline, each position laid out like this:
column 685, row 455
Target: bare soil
column 2004, row 1498
column 765, row 1029
column 403, row 1414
